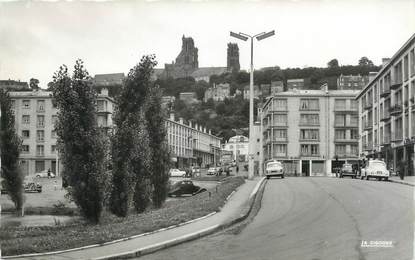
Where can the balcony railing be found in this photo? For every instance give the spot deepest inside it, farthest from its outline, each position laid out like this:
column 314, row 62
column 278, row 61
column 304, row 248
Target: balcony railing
column 396, row 109
column 345, row 110
column 350, row 125
column 345, row 140
column 385, row 117
column 396, row 85
column 385, row 93
column 368, row 126
column 347, row 155
column 368, row 106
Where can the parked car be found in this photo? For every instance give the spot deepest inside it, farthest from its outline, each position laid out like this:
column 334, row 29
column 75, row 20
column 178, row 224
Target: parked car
column 347, row 170
column 44, row 174
column 184, row 187
column 274, row 168
column 28, row 187
column 213, row 170
column 375, row 169
column 177, row 173
column 32, row 187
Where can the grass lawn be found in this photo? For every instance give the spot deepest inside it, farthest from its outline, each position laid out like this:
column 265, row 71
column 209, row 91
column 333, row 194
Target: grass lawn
column 21, row 240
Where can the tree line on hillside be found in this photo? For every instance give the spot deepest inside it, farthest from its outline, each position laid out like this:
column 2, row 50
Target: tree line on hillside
column 123, row 170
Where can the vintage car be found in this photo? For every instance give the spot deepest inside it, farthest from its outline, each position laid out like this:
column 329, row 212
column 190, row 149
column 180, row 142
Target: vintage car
column 213, row 170
column 177, row 173
column 347, row 170
column 44, row 174
column 274, row 168
column 28, row 187
column 375, row 169
column 184, row 187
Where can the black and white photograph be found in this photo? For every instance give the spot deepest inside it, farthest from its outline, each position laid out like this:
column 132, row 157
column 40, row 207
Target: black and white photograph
column 207, row 129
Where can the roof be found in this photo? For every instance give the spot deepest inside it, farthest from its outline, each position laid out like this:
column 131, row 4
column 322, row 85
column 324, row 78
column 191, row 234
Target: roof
column 388, row 65
column 43, row 94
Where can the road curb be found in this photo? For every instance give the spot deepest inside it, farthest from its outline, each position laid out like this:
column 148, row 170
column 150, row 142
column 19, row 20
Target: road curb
column 402, row 182
column 189, row 237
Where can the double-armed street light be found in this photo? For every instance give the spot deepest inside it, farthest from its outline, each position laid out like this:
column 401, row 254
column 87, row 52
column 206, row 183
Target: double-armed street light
column 244, row 37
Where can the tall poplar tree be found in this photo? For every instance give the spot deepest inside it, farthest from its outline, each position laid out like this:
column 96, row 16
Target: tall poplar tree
column 80, row 142
column 129, row 143
column 10, row 150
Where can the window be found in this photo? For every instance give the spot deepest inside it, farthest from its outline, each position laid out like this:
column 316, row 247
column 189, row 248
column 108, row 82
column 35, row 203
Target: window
column 280, row 134
column 40, row 150
column 381, row 135
column 101, row 105
column 340, row 120
column 40, row 135
column 354, row 150
column 375, row 115
column 53, row 149
column 25, row 134
column 26, row 104
column 39, row 166
column 412, row 61
column 309, row 104
column 53, row 134
column 375, row 95
column 25, row 119
column 405, row 68
column 340, row 134
column 280, row 104
column 309, row 119
column 41, row 106
column 280, row 120
column 340, row 149
column 398, row 129
column 354, row 120
column 25, row 148
column 397, row 73
column 354, row 134
column 309, row 134
column 309, row 149
column 40, row 121
column 340, row 104
column 376, row 137
column 13, row 104
column 54, row 119
column 280, row 149
column 353, row 104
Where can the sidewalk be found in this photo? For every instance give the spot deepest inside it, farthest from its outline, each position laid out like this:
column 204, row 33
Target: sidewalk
column 408, row 180
column 231, row 211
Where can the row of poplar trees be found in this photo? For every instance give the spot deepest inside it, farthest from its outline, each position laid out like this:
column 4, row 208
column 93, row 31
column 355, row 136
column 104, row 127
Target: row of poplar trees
column 136, row 150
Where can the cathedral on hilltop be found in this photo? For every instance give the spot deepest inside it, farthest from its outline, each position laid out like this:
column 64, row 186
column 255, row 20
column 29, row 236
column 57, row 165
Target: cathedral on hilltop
column 187, row 63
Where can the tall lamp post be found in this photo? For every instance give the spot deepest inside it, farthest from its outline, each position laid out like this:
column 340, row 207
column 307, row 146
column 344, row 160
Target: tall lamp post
column 244, row 37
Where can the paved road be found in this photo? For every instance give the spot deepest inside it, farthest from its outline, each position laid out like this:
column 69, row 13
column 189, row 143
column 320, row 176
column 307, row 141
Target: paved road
column 314, row 219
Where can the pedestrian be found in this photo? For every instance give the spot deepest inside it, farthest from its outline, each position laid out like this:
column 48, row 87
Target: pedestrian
column 237, row 169
column 49, row 173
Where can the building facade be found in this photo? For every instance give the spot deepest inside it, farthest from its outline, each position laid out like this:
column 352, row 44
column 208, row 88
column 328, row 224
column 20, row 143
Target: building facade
column 35, row 116
column 353, row 82
column 308, row 129
column 387, row 112
column 13, row 85
column 218, row 92
column 191, row 144
column 295, row 84
column 239, row 146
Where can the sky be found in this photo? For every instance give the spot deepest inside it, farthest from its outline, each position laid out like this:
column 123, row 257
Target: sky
column 36, row 37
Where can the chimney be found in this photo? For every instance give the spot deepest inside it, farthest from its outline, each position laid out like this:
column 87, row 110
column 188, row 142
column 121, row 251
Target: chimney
column 172, row 116
column 204, row 129
column 385, row 61
column 181, row 120
column 210, row 131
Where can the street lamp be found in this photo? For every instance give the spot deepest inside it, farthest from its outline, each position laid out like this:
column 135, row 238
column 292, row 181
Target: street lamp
column 244, row 37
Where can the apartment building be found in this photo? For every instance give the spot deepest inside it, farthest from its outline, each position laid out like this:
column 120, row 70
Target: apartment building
column 355, row 82
column 295, row 84
column 310, row 131
column 191, row 144
column 239, row 146
column 387, row 112
column 35, row 116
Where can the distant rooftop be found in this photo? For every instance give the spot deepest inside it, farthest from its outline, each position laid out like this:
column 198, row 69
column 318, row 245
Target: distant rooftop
column 109, row 79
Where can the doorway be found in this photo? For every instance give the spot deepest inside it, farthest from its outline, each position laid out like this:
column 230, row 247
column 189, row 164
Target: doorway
column 305, row 168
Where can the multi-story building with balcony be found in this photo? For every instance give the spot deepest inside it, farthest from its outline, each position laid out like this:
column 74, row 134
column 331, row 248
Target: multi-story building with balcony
column 387, row 111
column 35, row 115
column 311, row 131
column 191, row 144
